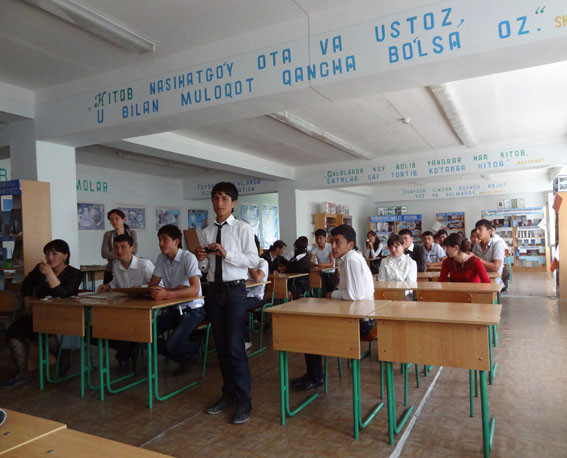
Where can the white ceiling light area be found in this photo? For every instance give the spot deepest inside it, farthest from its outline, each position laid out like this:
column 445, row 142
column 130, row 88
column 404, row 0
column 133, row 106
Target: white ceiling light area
column 523, row 105
column 39, row 50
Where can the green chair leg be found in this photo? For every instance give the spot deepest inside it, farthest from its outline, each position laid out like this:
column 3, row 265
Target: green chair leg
column 471, row 390
column 340, row 367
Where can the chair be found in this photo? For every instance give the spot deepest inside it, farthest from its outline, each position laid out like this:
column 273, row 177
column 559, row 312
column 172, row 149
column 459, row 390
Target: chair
column 205, row 351
column 251, row 329
column 9, row 305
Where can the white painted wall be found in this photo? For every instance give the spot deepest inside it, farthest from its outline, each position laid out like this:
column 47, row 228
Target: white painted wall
column 134, row 189
column 471, row 206
column 309, row 203
column 56, row 165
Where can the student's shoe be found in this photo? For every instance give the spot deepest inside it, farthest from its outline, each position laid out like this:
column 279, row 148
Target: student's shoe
column 124, row 367
column 298, row 380
column 309, row 385
column 247, row 346
column 242, row 414
column 64, row 363
column 185, row 366
column 14, row 381
column 222, row 404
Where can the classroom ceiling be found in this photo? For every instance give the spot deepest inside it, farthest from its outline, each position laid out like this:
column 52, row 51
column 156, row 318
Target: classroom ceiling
column 39, row 50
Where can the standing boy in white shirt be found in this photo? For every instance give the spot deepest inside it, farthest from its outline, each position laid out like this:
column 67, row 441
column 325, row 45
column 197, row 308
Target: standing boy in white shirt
column 179, row 271
column 227, row 252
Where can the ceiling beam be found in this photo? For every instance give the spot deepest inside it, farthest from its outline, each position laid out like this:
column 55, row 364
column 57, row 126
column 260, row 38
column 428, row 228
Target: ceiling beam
column 320, row 134
column 194, row 152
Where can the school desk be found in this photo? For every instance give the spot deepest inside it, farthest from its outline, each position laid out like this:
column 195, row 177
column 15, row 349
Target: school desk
column 20, row 429
column 327, row 327
column 65, row 316
column 434, row 276
column 280, row 283
column 315, row 280
column 70, row 443
column 91, row 273
column 441, row 334
column 109, row 316
column 438, row 291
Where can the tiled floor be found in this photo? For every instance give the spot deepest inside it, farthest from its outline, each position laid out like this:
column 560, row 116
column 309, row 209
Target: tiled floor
column 528, row 399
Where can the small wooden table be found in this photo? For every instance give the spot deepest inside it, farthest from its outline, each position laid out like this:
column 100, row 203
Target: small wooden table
column 90, row 275
column 327, row 327
column 434, row 276
column 20, row 429
column 280, row 283
column 437, row 333
column 69, row 443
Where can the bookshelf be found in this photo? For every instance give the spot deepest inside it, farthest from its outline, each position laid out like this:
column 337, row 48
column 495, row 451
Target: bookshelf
column 25, row 228
column 388, row 224
column 525, row 232
column 560, row 207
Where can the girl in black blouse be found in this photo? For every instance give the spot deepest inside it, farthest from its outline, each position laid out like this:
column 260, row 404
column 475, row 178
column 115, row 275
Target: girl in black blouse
column 53, row 277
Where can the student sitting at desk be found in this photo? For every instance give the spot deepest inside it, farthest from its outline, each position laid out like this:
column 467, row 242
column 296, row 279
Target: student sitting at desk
column 398, row 266
column 274, row 255
column 373, row 250
column 179, row 271
column 299, row 264
column 416, row 252
column 322, row 257
column 435, row 255
column 491, row 251
column 355, row 283
column 55, row 278
column 129, row 271
column 461, row 265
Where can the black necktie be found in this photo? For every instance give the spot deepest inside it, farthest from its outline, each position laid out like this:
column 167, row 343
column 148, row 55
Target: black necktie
column 407, row 251
column 218, row 259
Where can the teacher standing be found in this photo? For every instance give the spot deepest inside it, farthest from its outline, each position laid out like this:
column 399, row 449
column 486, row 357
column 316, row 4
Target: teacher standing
column 118, row 220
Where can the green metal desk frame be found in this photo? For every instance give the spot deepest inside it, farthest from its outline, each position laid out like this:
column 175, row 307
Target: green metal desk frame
column 285, row 410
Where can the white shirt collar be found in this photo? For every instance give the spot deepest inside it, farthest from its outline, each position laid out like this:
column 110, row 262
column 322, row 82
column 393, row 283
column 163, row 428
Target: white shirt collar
column 133, row 264
column 230, row 221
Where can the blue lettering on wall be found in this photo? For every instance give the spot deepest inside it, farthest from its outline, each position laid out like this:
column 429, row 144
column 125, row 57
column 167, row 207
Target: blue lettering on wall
column 322, row 70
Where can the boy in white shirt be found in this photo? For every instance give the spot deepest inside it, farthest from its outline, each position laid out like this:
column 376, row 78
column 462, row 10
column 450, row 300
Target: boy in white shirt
column 355, row 283
column 322, row 257
column 128, row 271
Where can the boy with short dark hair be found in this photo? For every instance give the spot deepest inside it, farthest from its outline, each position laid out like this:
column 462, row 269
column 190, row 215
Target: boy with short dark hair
column 227, row 251
column 322, row 257
column 355, row 283
column 490, row 251
column 179, row 271
column 128, row 271
column 416, row 252
column 435, row 254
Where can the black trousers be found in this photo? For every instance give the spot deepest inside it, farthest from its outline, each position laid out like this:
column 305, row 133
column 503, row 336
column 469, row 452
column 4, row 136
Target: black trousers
column 228, row 312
